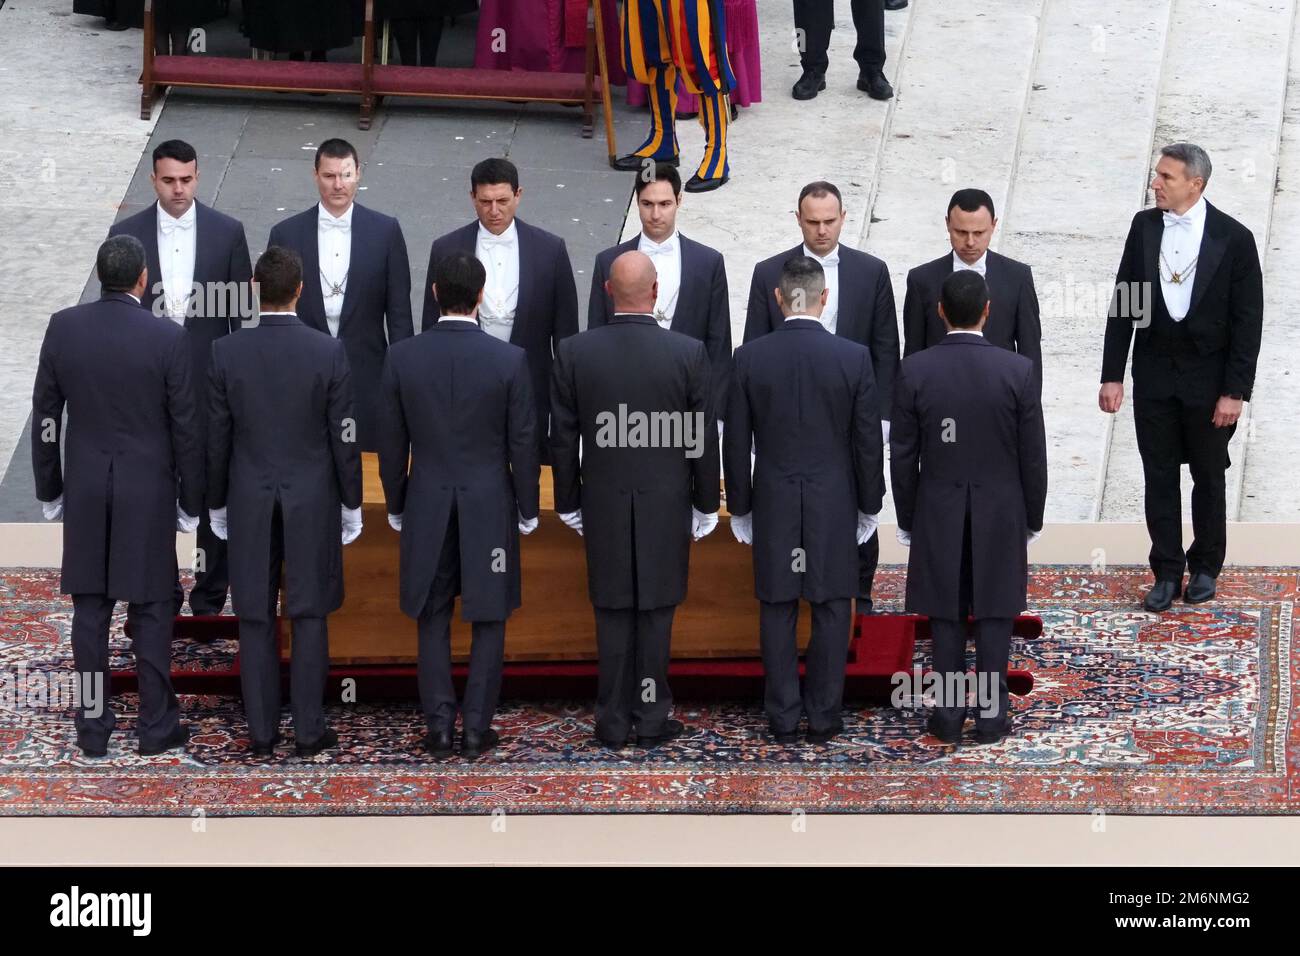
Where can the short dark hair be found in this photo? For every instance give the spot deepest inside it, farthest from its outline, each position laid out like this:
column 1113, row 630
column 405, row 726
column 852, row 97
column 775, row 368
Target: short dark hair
column 801, row 274
column 964, row 297
column 337, row 149
column 491, row 172
column 665, row 172
column 176, row 149
column 817, row 190
column 277, row 274
column 972, row 200
column 459, row 278
column 119, row 262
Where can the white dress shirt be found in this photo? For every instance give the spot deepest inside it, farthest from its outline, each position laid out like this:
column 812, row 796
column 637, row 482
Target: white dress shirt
column 500, row 257
column 967, row 332
column 979, row 265
column 667, row 257
column 831, row 266
column 1180, row 246
column 176, row 243
column 334, row 250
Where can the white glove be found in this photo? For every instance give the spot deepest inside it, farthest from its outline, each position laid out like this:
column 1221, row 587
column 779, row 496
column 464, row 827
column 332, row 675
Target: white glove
column 867, row 525
column 1034, row 536
column 884, row 431
column 574, row 520
column 351, row 523
column 742, row 526
column 528, row 525
column 702, row 524
column 217, row 519
column 53, row 510
column 395, row 522
column 904, row 537
column 185, row 522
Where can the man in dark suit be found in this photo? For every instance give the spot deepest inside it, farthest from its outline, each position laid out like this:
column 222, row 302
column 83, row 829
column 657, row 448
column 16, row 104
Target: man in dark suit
column 814, row 19
column 808, row 402
column 968, row 460
column 859, row 307
column 530, row 298
column 692, row 277
column 458, row 459
column 200, row 271
column 638, row 398
column 284, row 482
column 1013, row 307
column 132, row 477
column 1190, row 284
column 356, row 276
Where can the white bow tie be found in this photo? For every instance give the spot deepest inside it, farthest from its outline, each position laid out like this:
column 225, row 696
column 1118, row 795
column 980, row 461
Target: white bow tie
column 652, row 248
column 492, row 242
column 979, row 269
column 1173, row 219
column 832, row 260
column 168, row 225
column 329, row 222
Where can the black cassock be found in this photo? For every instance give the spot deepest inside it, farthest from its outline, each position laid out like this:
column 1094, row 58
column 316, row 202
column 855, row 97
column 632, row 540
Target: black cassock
column 131, row 12
column 288, row 26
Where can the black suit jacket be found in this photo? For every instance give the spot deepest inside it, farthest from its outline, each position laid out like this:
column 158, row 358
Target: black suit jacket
column 458, row 416
column 808, row 400
column 1225, row 321
column 636, row 501
column 866, row 310
column 124, row 377
column 1013, row 322
column 703, row 308
column 547, row 311
column 968, row 438
column 279, row 398
column 220, row 260
column 378, row 296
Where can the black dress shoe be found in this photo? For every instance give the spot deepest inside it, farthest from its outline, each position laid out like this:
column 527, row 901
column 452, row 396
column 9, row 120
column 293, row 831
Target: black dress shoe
column 895, row 4
column 875, row 85
column 598, row 741
column 438, row 743
column 116, row 27
column 824, row 736
column 784, row 738
column 948, row 735
column 632, row 163
column 91, row 747
column 1200, row 588
column 264, row 749
column 992, row 736
column 697, row 185
column 672, row 730
column 809, row 85
column 473, row 746
column 178, row 738
column 327, row 740
column 1162, row 595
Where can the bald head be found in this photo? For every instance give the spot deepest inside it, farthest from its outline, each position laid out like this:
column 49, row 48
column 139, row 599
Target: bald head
column 633, row 283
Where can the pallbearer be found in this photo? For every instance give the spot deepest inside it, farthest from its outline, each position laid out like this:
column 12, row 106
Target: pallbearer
column 458, row 458
column 284, row 485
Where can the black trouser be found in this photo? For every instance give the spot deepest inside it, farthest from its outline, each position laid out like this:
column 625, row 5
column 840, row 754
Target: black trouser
column 992, row 653
column 259, row 662
column 632, row 684
column 1169, row 432
column 816, row 18
column 208, row 596
column 171, row 33
column 868, row 559
column 486, row 655
column 418, row 39
column 151, row 643
column 828, row 652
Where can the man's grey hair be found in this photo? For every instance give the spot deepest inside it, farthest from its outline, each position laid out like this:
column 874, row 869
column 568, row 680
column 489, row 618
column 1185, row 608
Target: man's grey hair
column 1195, row 159
column 119, row 263
column 802, row 281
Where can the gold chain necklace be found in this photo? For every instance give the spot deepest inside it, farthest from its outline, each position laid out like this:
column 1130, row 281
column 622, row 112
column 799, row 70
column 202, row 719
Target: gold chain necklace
column 1177, row 278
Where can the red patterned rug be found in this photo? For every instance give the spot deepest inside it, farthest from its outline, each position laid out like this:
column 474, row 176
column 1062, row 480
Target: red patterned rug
column 1190, row 712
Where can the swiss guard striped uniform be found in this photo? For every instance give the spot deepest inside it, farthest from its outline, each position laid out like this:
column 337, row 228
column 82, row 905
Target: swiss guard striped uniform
column 662, row 38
